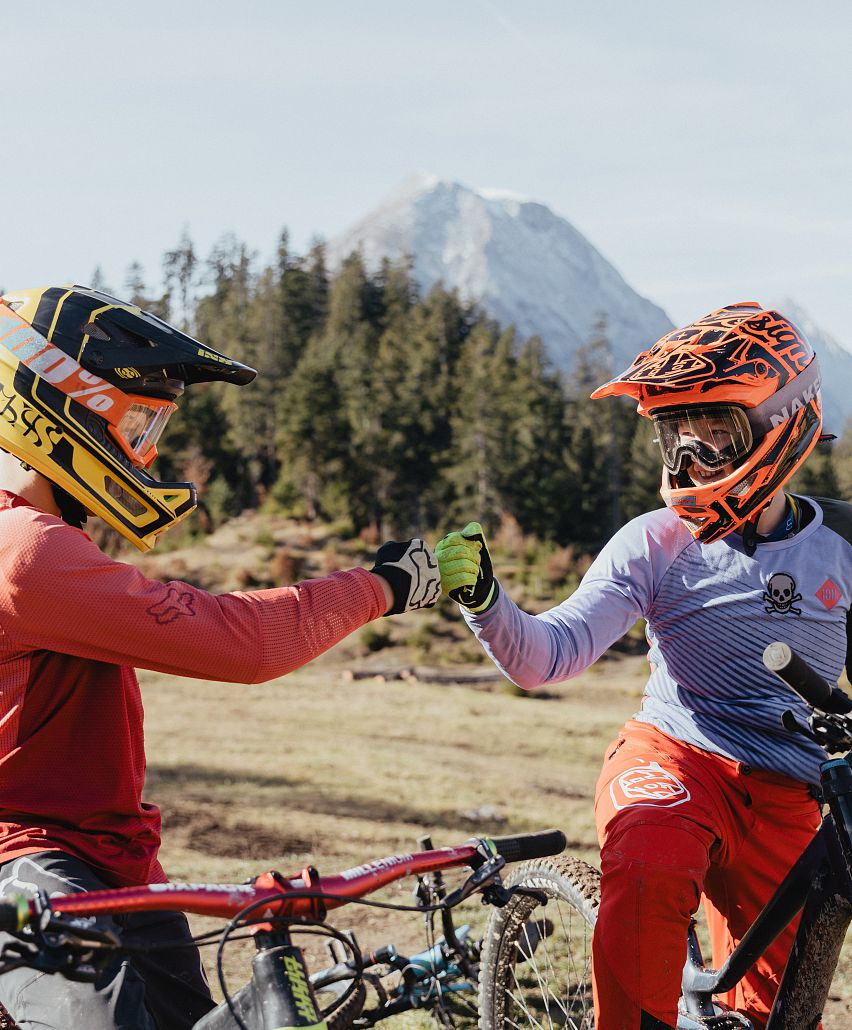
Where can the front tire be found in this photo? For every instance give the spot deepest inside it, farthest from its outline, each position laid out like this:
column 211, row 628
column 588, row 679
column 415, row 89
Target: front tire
column 536, row 969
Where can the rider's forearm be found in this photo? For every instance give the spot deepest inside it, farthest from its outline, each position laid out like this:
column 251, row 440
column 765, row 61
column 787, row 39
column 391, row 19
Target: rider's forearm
column 531, row 650
column 72, row 598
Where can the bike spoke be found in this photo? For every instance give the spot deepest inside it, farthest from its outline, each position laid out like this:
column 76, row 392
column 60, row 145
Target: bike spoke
column 551, row 974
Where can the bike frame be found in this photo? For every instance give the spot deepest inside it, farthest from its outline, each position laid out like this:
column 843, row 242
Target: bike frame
column 820, row 886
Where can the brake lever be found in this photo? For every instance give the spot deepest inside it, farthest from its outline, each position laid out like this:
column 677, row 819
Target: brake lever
column 831, row 732
column 59, row 932
column 481, row 878
column 791, row 722
column 44, row 957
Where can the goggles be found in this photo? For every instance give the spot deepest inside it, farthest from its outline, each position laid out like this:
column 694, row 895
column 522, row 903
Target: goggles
column 713, row 436
column 141, row 425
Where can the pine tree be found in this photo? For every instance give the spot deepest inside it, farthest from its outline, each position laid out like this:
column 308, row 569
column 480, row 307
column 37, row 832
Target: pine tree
column 600, row 434
column 535, row 482
column 843, row 463
column 642, row 487
column 313, row 440
column 818, row 476
column 478, row 427
column 180, row 268
column 98, row 281
column 137, row 292
column 412, row 389
column 303, row 300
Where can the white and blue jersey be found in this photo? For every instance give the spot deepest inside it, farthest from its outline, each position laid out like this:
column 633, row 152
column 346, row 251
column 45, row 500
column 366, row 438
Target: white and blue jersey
column 710, row 611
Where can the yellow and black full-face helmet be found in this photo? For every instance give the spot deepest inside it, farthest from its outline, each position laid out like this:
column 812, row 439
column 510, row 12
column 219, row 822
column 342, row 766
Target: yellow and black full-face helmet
column 87, row 385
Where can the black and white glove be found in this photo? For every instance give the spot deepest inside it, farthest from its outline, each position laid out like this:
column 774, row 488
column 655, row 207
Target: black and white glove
column 410, row 567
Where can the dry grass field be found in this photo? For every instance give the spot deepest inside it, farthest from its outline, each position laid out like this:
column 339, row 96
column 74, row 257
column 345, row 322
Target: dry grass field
column 319, row 769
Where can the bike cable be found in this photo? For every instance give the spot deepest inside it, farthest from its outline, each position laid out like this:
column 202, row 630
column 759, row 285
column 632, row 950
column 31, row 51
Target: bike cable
column 315, row 925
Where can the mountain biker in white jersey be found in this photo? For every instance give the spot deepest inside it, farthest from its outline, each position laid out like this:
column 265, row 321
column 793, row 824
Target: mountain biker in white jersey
column 87, row 384
column 703, row 792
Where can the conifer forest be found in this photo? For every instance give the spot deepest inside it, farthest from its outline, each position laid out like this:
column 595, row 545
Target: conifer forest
column 383, row 409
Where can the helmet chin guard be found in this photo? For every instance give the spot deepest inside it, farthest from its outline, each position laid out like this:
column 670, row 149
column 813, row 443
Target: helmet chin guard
column 739, row 361
column 93, row 433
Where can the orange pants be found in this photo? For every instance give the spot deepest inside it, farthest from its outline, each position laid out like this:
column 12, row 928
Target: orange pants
column 676, row 823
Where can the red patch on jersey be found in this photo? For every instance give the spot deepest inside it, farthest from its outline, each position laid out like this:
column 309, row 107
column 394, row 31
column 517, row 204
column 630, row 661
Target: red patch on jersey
column 829, row 593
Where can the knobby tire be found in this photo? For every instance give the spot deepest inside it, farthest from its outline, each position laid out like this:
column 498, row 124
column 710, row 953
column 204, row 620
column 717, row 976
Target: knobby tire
column 536, row 969
column 344, row 1015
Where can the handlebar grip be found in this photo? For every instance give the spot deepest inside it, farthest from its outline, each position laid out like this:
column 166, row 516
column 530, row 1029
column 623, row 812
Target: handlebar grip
column 781, row 659
column 523, row 846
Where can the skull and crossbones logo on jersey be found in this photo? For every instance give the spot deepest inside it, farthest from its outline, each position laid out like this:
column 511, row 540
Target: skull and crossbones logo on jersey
column 781, row 594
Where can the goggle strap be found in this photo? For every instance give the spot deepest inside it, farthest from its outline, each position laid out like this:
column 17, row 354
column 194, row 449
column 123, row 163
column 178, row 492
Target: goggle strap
column 778, row 408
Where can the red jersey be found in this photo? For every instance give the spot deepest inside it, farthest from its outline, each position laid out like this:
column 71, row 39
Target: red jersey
column 73, row 625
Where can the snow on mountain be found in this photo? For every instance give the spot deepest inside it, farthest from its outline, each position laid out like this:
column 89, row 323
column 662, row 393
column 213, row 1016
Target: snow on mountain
column 529, row 267
column 524, row 264
column 835, row 365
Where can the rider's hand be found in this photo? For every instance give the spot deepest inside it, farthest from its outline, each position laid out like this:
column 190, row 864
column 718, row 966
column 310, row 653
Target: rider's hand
column 466, row 573
column 410, row 569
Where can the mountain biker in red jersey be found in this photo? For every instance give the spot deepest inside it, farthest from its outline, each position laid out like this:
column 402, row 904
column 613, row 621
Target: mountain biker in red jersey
column 704, row 792
column 87, row 385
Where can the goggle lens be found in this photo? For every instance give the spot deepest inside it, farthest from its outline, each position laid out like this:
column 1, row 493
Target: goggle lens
column 712, row 437
column 141, row 426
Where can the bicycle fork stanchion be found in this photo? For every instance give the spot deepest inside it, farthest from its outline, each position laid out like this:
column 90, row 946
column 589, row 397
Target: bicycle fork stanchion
column 696, row 1001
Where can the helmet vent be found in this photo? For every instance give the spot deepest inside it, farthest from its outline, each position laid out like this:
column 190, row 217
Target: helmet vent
column 125, row 499
column 95, row 332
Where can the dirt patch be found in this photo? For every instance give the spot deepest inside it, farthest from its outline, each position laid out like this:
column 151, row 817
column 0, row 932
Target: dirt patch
column 243, row 840
column 226, row 838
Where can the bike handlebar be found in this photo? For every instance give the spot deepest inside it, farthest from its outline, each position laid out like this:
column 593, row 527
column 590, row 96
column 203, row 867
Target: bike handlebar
column 306, row 895
column 781, row 659
column 525, row 846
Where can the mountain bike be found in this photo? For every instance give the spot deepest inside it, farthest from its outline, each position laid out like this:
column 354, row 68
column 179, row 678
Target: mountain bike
column 545, row 981
column 58, row 934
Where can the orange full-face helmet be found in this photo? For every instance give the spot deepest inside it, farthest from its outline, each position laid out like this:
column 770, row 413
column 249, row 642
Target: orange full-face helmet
column 737, row 390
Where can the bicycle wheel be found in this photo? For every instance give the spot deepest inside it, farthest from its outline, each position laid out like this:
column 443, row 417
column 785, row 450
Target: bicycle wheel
column 536, row 968
column 342, row 1017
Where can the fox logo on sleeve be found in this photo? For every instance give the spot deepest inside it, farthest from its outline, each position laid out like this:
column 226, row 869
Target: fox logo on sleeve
column 175, row 604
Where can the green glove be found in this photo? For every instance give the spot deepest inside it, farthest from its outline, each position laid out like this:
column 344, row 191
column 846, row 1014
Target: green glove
column 465, row 566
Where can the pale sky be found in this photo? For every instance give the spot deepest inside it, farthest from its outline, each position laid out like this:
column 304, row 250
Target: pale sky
column 703, row 149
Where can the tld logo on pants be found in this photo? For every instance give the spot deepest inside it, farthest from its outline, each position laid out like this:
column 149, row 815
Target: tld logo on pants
column 648, row 784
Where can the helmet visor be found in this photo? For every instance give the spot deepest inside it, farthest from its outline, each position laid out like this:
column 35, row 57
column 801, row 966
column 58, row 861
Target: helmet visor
column 141, row 426
column 713, row 437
